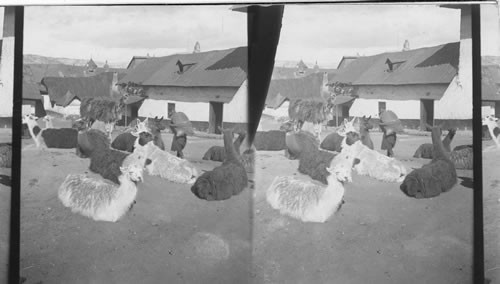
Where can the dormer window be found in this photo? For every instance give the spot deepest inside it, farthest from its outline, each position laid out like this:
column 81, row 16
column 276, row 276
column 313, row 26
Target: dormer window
column 391, row 66
column 183, row 67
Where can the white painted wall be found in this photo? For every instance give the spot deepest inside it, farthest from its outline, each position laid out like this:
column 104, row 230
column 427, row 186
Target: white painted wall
column 7, row 64
column 282, row 111
column 237, row 109
column 456, row 102
column 234, row 111
column 407, row 109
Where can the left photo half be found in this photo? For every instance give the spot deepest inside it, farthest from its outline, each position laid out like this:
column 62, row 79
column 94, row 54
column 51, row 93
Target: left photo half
column 7, row 17
column 135, row 162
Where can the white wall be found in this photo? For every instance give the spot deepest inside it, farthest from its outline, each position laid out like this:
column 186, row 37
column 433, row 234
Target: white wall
column 237, row 109
column 7, row 64
column 456, row 102
column 407, row 109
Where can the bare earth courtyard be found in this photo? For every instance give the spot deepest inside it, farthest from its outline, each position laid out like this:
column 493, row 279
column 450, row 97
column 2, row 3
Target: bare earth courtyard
column 379, row 235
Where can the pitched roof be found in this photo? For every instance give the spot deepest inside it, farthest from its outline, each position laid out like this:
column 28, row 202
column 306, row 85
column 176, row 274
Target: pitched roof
column 291, row 72
column 39, row 71
column 218, row 68
column 62, row 90
column 136, row 58
column 308, row 87
column 91, row 64
column 346, row 60
column 428, row 65
column 490, row 82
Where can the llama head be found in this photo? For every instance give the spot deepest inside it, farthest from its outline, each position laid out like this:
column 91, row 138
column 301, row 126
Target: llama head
column 490, row 121
column 133, row 172
column 204, row 189
column 156, row 124
column 341, row 165
column 348, row 126
column 80, row 124
column 140, row 127
column 365, row 123
column 30, row 120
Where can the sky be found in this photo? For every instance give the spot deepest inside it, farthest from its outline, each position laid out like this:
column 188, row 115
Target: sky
column 322, row 33
column 116, row 33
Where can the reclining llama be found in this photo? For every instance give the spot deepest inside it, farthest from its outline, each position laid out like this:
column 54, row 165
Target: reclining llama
column 101, row 199
column 218, row 153
column 309, row 201
column 434, row 178
column 379, row 166
column 125, row 141
column 62, row 138
column 224, row 181
column 168, row 166
column 425, row 150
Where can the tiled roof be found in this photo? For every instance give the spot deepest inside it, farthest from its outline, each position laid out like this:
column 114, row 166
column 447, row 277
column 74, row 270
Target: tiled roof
column 429, row 65
column 490, row 82
column 219, row 68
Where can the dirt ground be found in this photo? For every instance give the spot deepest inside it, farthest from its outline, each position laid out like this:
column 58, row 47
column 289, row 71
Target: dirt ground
column 170, row 236
column 491, row 209
column 379, row 236
column 5, row 136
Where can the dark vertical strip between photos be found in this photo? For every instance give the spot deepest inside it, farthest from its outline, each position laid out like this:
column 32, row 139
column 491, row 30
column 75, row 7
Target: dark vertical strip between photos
column 16, row 148
column 477, row 146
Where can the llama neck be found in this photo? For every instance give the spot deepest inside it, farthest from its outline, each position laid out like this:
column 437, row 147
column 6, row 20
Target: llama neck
column 491, row 129
column 438, row 147
column 126, row 183
column 32, row 126
column 447, row 140
column 333, row 182
column 238, row 141
column 231, row 154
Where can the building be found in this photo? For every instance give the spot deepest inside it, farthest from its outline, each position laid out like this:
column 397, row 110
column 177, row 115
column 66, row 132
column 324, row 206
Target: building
column 415, row 84
column 136, row 60
column 7, row 68
column 345, row 61
column 209, row 87
column 490, row 87
column 300, row 70
column 64, row 94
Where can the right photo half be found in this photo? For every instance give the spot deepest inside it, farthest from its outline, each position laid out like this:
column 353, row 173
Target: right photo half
column 364, row 161
column 490, row 112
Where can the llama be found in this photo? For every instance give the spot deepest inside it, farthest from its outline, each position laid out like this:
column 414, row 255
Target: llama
column 491, row 122
column 125, row 141
column 434, row 178
column 379, row 166
column 107, row 162
column 89, row 140
column 334, row 141
column 364, row 132
column 425, row 150
column 5, row 155
column 100, row 199
column 104, row 111
column 223, row 181
column 62, row 138
column 463, row 157
column 273, row 140
column 314, row 111
column 168, row 166
column 312, row 160
column 311, row 202
column 218, row 153
column 156, row 127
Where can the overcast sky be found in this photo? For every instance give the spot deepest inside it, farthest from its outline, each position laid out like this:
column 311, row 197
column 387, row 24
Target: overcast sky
column 117, row 33
column 322, row 33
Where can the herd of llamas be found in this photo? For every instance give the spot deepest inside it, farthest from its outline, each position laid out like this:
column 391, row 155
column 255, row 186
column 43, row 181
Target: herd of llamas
column 121, row 163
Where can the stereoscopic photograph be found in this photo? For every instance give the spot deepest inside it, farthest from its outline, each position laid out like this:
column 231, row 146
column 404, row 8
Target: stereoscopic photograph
column 490, row 112
column 363, row 170
column 6, row 96
column 135, row 162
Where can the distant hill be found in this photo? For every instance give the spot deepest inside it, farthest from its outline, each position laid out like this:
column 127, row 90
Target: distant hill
column 39, row 59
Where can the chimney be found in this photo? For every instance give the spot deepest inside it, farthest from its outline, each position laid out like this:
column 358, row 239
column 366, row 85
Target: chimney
column 197, row 48
column 406, row 45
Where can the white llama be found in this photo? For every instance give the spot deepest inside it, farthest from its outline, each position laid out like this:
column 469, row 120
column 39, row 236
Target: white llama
column 33, row 128
column 492, row 123
column 100, row 199
column 310, row 201
column 379, row 166
column 168, row 166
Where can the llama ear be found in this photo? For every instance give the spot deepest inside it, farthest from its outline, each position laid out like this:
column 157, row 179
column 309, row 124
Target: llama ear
column 369, row 117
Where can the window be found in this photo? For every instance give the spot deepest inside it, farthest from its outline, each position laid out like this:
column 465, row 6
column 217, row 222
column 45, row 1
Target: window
column 170, row 109
column 381, row 107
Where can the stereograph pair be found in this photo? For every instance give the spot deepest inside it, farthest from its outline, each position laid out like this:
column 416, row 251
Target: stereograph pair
column 141, row 145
